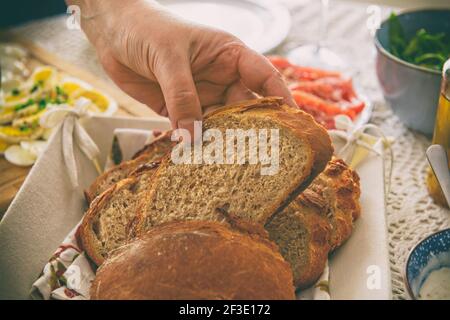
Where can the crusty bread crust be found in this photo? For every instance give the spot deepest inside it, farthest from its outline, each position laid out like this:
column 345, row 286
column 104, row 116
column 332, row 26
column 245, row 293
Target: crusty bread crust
column 87, row 235
column 319, row 231
column 347, row 186
column 194, row 260
column 338, row 187
column 327, row 209
column 309, row 266
column 160, row 141
column 300, row 123
column 149, row 153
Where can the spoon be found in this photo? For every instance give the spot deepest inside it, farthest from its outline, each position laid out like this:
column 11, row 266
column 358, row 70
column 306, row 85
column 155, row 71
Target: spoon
column 437, row 157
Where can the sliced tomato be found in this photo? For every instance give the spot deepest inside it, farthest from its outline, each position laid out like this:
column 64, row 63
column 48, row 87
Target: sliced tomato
column 323, row 90
column 279, row 62
column 358, row 106
column 322, row 93
column 355, row 105
column 321, row 117
column 308, row 73
column 351, row 113
column 342, row 86
column 307, row 99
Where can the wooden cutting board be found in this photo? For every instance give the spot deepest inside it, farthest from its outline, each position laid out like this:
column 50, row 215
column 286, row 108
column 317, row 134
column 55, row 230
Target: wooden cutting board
column 11, row 176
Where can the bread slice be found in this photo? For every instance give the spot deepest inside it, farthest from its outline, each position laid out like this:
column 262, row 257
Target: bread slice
column 160, row 145
column 302, row 235
column 197, row 191
column 150, row 153
column 193, row 260
column 318, row 221
column 338, row 185
column 108, row 223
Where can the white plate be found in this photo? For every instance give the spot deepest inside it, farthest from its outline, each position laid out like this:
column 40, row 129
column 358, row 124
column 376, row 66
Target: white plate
column 262, row 25
column 360, row 268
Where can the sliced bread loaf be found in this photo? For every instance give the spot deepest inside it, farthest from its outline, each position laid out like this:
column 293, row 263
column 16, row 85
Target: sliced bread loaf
column 338, row 186
column 319, row 221
column 150, row 153
column 108, row 223
column 194, row 260
column 196, row 191
column 302, row 235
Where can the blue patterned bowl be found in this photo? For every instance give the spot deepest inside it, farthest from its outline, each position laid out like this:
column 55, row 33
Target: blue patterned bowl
column 430, row 254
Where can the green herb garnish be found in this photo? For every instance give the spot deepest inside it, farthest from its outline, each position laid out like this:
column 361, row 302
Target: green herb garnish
column 423, row 48
column 34, row 88
column 15, row 92
column 24, row 105
column 42, row 104
column 59, row 91
column 24, row 128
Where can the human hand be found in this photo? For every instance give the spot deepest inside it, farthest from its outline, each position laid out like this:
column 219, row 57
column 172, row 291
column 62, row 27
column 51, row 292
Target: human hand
column 174, row 66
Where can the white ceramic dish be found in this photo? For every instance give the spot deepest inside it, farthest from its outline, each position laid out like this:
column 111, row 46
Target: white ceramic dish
column 262, row 25
column 364, row 117
column 47, row 208
column 360, row 268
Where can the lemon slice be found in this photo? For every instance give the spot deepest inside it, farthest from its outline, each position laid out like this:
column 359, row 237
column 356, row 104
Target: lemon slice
column 44, row 75
column 15, row 97
column 70, row 87
column 103, row 103
column 41, row 79
column 12, row 135
column 73, row 86
column 6, row 115
column 19, row 156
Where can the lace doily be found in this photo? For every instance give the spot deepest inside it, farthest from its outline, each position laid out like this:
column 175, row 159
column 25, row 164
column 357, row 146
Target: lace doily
column 411, row 214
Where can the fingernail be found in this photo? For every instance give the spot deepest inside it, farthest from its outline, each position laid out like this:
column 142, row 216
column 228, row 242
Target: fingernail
column 190, row 124
column 292, row 103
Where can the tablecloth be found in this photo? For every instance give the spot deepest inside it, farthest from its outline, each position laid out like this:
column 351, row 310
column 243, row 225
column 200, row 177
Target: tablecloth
column 411, row 214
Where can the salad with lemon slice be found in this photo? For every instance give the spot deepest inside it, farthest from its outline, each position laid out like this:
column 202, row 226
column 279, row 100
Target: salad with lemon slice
column 22, row 138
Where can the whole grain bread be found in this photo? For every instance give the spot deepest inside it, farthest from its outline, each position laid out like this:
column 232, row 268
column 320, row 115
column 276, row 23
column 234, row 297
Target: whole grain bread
column 150, row 153
column 194, row 260
column 196, row 191
column 339, row 190
column 319, row 221
column 303, row 237
column 108, row 223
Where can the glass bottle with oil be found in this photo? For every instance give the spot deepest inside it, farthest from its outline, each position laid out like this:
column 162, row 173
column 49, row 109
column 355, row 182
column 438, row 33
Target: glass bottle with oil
column 441, row 133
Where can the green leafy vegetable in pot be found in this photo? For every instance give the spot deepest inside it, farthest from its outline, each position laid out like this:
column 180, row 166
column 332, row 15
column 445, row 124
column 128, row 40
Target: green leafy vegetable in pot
column 423, row 49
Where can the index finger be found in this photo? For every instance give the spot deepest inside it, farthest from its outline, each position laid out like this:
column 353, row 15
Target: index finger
column 260, row 76
column 180, row 93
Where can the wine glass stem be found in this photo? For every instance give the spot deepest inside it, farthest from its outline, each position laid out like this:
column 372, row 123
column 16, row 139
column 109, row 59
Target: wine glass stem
column 323, row 24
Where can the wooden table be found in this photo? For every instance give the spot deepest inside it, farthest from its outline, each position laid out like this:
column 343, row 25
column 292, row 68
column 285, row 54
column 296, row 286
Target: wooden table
column 11, row 178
